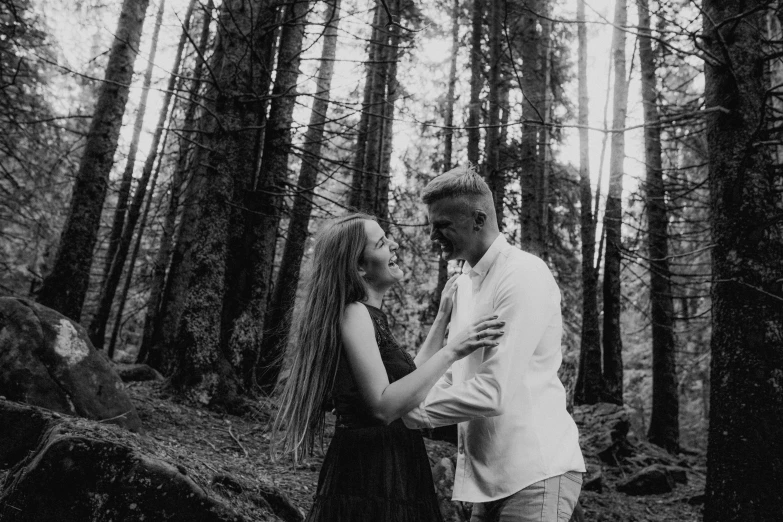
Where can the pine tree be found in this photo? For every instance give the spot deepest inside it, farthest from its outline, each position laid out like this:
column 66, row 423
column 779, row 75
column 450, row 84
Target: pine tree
column 65, row 288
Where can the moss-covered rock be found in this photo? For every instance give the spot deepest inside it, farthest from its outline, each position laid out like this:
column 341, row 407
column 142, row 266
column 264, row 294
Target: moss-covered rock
column 47, row 360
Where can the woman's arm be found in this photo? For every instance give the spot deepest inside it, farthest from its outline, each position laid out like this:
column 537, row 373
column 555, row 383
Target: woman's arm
column 387, row 402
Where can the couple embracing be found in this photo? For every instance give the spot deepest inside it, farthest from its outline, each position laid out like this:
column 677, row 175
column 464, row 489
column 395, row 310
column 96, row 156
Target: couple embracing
column 495, row 376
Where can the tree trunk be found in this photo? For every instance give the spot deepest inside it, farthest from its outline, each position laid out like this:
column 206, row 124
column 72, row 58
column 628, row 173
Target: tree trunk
column 130, row 164
column 157, row 285
column 278, row 317
column 162, row 353
column 266, row 43
column 65, row 287
column 134, row 255
column 533, row 117
column 589, row 383
column 201, row 364
column 97, row 329
column 244, row 331
column 370, row 183
column 492, row 172
column 544, row 170
column 448, row 146
column 612, row 341
column 371, row 174
column 448, row 136
column 745, row 439
column 664, row 421
column 476, row 82
column 381, row 206
column 357, row 196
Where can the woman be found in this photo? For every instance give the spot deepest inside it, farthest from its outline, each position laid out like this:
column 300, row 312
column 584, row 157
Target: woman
column 345, row 357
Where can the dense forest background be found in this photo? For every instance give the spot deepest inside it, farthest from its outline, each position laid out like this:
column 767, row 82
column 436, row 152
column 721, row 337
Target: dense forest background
column 164, row 166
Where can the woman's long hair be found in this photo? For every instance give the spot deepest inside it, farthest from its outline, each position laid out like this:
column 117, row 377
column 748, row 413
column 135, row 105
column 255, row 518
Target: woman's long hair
column 334, row 282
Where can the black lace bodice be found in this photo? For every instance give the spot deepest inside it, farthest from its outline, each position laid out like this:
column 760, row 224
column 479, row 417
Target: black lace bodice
column 346, row 399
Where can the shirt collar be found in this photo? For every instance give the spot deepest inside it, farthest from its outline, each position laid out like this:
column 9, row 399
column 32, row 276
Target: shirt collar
column 488, row 259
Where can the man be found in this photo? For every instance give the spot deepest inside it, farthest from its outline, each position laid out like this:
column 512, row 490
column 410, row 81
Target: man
column 518, row 448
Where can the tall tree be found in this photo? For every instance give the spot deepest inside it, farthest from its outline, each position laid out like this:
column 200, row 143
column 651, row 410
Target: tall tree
column 664, row 427
column 243, row 320
column 476, row 82
column 130, row 163
column 278, row 316
column 533, row 116
column 123, row 297
column 98, row 325
column 448, row 144
column 159, row 269
column 370, row 182
column 612, row 340
column 745, row 439
column 201, row 363
column 544, row 171
column 492, row 172
column 589, row 384
column 374, row 61
column 387, row 117
column 65, row 288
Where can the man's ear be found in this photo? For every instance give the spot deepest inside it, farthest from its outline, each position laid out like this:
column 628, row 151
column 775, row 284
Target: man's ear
column 479, row 219
column 362, row 271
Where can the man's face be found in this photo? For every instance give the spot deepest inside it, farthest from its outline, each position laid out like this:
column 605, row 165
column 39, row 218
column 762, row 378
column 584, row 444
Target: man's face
column 451, row 226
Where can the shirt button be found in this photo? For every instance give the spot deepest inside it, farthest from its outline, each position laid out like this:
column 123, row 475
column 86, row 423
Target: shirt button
column 461, row 449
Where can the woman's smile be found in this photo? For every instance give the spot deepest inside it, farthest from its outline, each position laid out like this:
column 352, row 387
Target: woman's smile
column 379, row 260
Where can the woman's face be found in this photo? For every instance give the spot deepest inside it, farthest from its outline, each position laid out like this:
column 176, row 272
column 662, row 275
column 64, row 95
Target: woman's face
column 379, row 264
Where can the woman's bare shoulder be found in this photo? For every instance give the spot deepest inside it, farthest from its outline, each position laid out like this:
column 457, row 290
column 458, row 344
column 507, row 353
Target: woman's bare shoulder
column 356, row 313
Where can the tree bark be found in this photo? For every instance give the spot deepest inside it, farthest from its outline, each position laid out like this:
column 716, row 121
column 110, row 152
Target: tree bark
column 357, row 195
column 533, row 83
column 370, row 182
column 244, row 330
column 544, row 135
column 130, row 164
column 492, row 173
column 612, row 340
column 448, row 146
column 97, row 329
column 448, row 135
column 134, row 255
column 381, row 206
column 370, row 185
column 278, row 316
column 476, row 82
column 201, row 364
column 589, row 383
column 158, row 283
column 162, row 353
column 664, row 427
column 745, row 438
column 64, row 289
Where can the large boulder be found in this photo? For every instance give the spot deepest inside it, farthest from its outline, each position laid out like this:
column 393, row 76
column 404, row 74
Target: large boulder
column 75, row 470
column 47, row 360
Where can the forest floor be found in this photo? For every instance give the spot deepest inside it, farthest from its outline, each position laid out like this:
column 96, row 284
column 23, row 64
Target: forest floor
column 239, row 447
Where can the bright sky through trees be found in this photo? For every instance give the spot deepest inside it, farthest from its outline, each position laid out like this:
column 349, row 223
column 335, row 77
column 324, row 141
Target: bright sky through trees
column 83, row 34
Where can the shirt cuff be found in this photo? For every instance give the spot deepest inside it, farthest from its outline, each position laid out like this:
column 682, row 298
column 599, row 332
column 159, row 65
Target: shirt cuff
column 417, row 418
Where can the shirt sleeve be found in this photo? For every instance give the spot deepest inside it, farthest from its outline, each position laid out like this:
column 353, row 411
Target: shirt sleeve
column 526, row 299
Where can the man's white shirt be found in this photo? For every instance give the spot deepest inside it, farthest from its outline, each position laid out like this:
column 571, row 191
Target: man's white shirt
column 514, row 429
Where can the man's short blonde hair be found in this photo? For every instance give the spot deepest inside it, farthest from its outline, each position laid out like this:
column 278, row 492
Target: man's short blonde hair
column 462, row 181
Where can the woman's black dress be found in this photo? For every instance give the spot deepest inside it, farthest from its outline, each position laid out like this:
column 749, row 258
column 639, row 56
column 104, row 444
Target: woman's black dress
column 373, row 472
